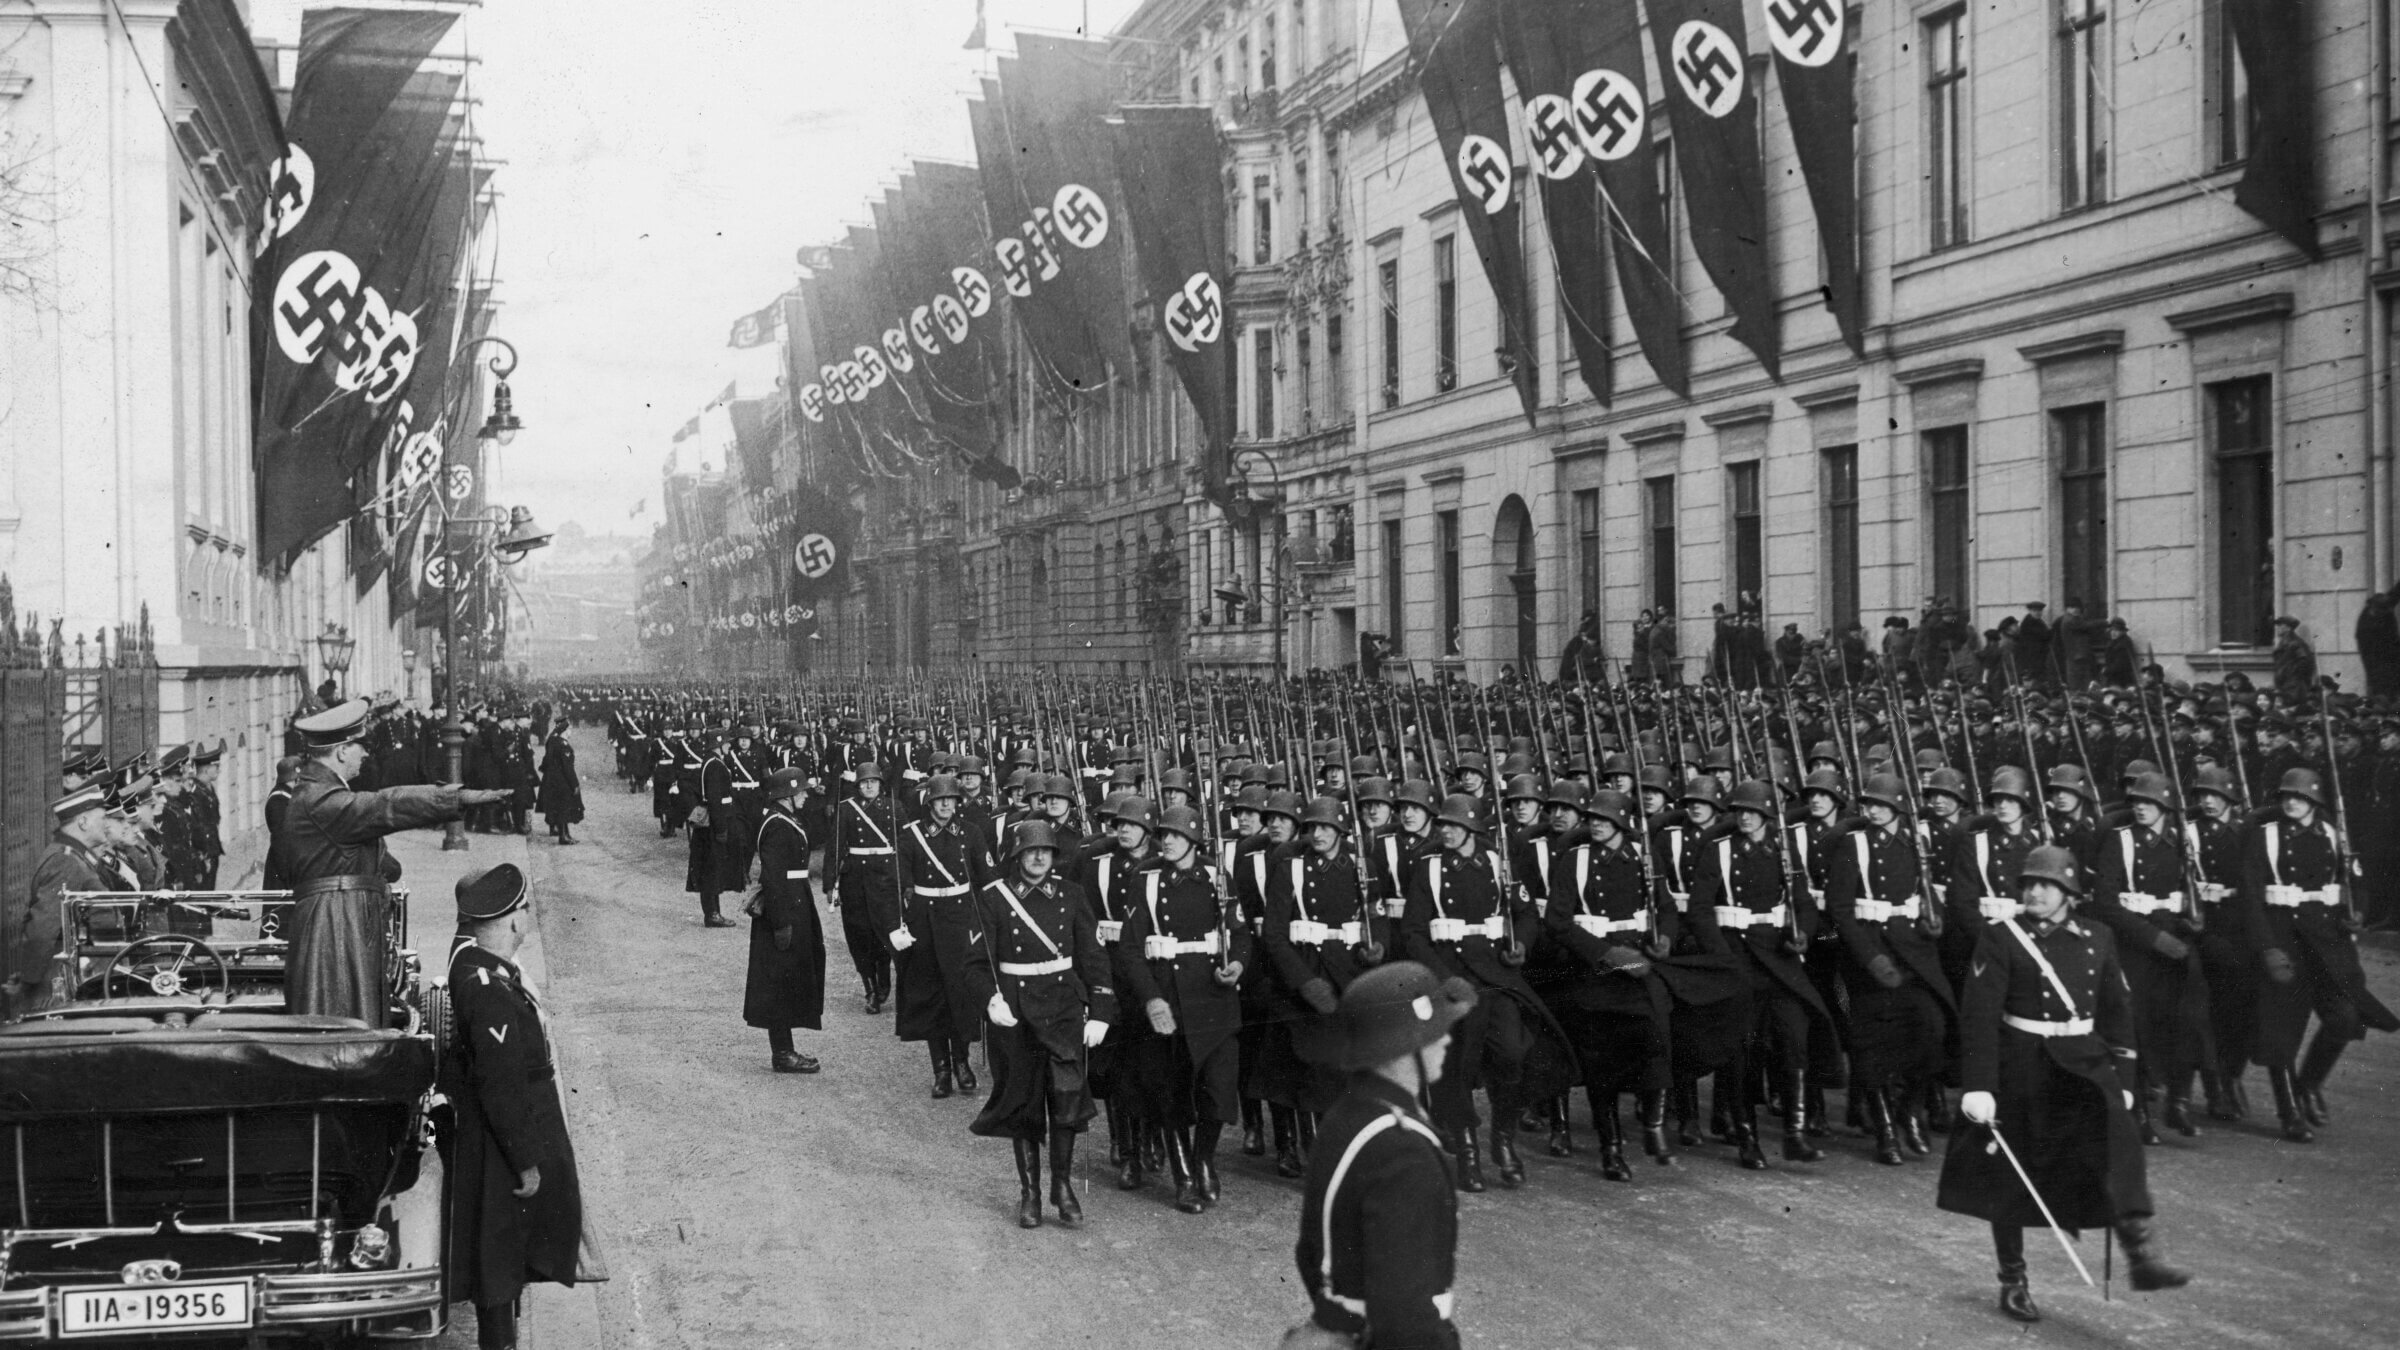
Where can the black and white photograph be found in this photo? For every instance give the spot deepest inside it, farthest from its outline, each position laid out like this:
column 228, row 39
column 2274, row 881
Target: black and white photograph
column 1312, row 674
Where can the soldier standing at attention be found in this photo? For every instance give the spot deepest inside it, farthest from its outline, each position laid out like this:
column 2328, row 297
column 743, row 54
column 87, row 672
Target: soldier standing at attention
column 517, row 1208
column 340, row 871
column 2046, row 1056
column 1045, row 981
column 1379, row 1216
column 786, row 986
column 207, row 816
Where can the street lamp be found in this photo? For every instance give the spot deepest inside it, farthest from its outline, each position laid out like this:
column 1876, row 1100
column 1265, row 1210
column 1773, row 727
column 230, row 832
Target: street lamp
column 502, row 424
column 514, row 534
column 336, row 645
column 408, row 672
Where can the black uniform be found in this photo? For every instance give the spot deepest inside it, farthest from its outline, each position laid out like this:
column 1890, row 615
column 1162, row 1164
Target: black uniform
column 861, row 859
column 1169, row 951
column 1902, row 1010
column 1313, row 938
column 2290, row 896
column 786, row 985
column 2141, row 894
column 1380, row 1249
column 1039, row 948
column 1509, row 1045
column 934, row 902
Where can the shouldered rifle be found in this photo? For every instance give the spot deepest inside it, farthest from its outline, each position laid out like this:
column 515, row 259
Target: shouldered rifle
column 2341, row 817
column 1895, row 709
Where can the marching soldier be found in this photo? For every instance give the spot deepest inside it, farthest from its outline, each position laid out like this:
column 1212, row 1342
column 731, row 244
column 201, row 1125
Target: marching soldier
column 2293, row 877
column 2046, row 1037
column 1379, row 1217
column 786, row 986
column 1822, row 800
column 1253, row 861
column 1985, row 861
column 1744, row 877
column 861, row 857
column 930, row 917
column 2228, row 952
column 1044, row 980
column 2145, row 895
column 1901, row 1005
column 1316, row 938
column 1181, row 957
column 1109, row 880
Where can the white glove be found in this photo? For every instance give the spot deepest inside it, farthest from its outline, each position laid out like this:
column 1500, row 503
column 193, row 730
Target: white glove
column 1979, row 1107
column 2128, row 1101
column 902, row 939
column 997, row 1010
column 1093, row 1034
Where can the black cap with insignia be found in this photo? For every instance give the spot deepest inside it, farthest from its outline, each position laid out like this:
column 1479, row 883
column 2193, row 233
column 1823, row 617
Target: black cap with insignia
column 337, row 725
column 491, row 893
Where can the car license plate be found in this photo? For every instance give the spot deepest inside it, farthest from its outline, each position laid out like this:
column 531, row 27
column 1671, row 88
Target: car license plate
column 115, row 1310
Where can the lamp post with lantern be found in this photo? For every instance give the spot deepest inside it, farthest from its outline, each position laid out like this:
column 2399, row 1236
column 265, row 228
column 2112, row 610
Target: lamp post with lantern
column 335, row 646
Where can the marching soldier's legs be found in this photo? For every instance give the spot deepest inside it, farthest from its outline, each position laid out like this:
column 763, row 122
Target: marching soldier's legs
column 1651, row 1103
column 2144, row 1262
column 1254, row 1130
column 1283, row 1120
column 496, row 1326
column 1611, row 1128
column 1188, row 1198
column 1062, row 1179
column 2178, row 1114
column 712, row 915
column 939, row 1051
column 2287, row 1107
column 1731, row 1094
column 963, row 1069
column 1029, row 1182
column 1505, row 1046
column 1877, row 1107
column 1902, row 1101
column 1687, row 1111
column 2337, row 1026
column 2016, row 1291
column 1204, row 1158
column 1562, row 1137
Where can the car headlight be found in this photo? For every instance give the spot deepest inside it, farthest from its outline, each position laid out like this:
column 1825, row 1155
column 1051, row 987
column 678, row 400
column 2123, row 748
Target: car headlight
column 370, row 1247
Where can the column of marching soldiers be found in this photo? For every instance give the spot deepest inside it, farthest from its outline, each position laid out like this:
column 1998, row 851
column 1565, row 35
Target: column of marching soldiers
column 1772, row 890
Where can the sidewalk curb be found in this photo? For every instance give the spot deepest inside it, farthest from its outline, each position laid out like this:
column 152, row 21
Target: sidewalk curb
column 553, row 1314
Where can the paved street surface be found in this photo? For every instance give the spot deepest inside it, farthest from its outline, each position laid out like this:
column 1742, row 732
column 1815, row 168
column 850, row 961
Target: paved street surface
column 740, row 1208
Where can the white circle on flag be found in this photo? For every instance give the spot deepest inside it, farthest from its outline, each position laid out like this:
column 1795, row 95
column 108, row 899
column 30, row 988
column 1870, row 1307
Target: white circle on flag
column 459, row 481
column 897, row 352
column 314, row 298
column 870, row 361
column 836, row 388
column 815, row 555
column 1079, row 216
column 1550, row 130
column 952, row 316
column 920, row 327
column 438, row 571
column 974, row 292
column 812, row 402
column 1708, row 67
column 1483, row 170
column 1195, row 314
column 1805, row 32
column 1611, row 116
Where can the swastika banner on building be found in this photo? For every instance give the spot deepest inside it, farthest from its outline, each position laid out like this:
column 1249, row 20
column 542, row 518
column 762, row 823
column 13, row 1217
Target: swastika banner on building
column 1712, row 101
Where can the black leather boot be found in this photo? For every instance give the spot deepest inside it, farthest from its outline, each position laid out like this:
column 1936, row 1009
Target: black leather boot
column 2141, row 1119
column 963, row 1067
column 1287, row 1141
column 1687, row 1112
column 1129, row 1158
column 2145, row 1265
column 1878, row 1110
column 1813, row 1095
column 1745, row 1135
column 1903, row 1103
column 1652, row 1108
column 1504, row 1150
column 1116, row 1134
column 1254, row 1128
column 1308, row 1134
column 2016, row 1292
column 2308, row 1085
column 2287, row 1108
column 2178, row 1111
column 1797, row 1096
column 1611, row 1126
column 2212, row 1090
column 2237, row 1092
column 1470, row 1163
column 1062, row 1176
column 1029, row 1182
column 1721, row 1096
column 1938, row 1117
column 941, row 1070
column 1154, row 1146
column 1204, row 1159
column 1179, row 1166
column 1562, row 1138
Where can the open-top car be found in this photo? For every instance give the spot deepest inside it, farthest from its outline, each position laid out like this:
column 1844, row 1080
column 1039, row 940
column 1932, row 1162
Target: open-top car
column 181, row 1157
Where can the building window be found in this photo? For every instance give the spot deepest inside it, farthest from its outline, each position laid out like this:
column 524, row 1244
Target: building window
column 1333, row 184
column 1445, row 313
column 1452, row 602
column 1388, row 286
column 1841, row 534
column 1946, row 127
column 1337, row 373
column 1658, row 509
column 2243, row 449
column 1266, row 63
column 1217, row 70
column 2224, row 88
column 1300, row 213
column 1587, row 549
column 1262, row 342
column 1099, row 583
column 1395, row 603
column 1749, row 533
column 2079, row 441
column 2083, row 62
column 1952, row 541
column 1305, row 340
column 1262, row 220
column 1241, row 54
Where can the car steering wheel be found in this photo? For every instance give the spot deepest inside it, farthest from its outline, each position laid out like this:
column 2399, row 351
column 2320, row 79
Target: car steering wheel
column 165, row 980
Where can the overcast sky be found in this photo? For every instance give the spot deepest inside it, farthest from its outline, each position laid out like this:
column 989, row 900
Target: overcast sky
column 662, row 166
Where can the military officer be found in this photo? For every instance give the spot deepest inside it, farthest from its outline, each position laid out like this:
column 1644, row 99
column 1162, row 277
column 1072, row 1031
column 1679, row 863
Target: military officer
column 207, row 815
column 70, row 862
column 1045, row 984
column 517, row 1207
column 861, row 858
column 2046, row 1048
column 786, row 986
column 929, row 920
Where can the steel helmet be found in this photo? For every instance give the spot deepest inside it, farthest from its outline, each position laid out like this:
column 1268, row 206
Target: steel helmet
column 2302, row 783
column 2049, row 862
column 1374, row 790
column 1416, row 792
column 1181, row 820
column 2011, row 782
column 1325, row 811
column 1568, row 793
column 942, row 785
column 1887, row 789
column 1947, row 781
column 1752, row 795
column 2215, row 779
column 2152, row 788
column 1614, row 807
column 1461, row 809
column 1523, row 788
column 1703, row 788
column 1027, row 834
column 1827, row 781
column 1133, row 809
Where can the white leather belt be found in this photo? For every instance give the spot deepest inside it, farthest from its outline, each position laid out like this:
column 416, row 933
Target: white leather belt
column 2073, row 1026
column 1998, row 908
column 939, row 892
column 1158, row 948
column 1443, row 1303
column 1884, row 911
column 1111, row 930
column 2293, row 897
column 1459, row 930
column 2141, row 902
column 740, row 784
column 912, row 775
column 796, row 874
column 1308, row 932
column 870, row 853
column 1735, row 916
column 1025, row 969
column 1599, row 927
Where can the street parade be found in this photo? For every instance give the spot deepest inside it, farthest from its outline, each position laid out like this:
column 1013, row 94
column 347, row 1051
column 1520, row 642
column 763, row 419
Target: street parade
column 1332, row 674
